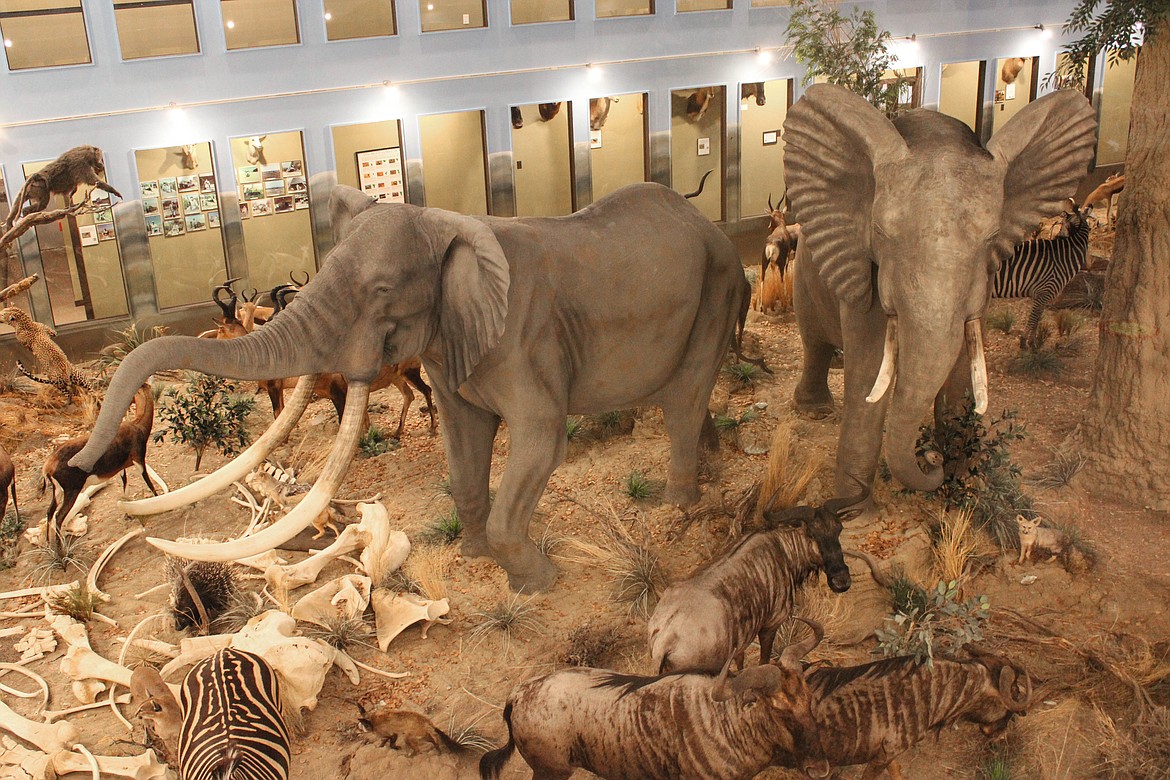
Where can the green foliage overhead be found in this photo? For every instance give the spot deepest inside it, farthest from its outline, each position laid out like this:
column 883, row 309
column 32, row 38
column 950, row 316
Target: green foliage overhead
column 1117, row 28
column 206, row 412
column 851, row 51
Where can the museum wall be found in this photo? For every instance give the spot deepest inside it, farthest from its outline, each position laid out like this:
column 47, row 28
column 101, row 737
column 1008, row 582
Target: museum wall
column 318, row 90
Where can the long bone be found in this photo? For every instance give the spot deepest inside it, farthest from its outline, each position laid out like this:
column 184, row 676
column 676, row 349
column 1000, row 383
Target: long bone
column 294, row 575
column 145, row 766
column 234, row 470
column 49, row 737
column 310, row 507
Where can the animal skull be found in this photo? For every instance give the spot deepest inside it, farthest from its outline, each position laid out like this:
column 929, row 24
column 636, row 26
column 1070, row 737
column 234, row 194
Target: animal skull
column 348, row 596
column 255, row 146
column 190, row 155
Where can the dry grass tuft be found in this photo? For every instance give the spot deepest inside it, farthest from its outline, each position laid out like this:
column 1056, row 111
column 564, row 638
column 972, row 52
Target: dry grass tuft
column 59, row 555
column 833, row 611
column 784, row 483
column 90, row 407
column 507, row 617
column 633, row 567
column 342, row 632
column 955, row 547
column 1140, row 751
column 76, row 602
column 1056, row 743
column 242, row 607
column 428, row 568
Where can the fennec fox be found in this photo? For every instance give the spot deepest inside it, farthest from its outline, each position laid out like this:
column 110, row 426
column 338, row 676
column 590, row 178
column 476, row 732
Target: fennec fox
column 1034, row 538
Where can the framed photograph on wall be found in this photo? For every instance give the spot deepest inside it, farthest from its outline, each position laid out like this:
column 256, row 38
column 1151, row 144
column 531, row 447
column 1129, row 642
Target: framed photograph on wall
column 191, row 203
column 245, row 210
column 150, row 206
column 208, row 201
column 274, row 188
column 380, row 174
column 282, row 204
column 292, row 168
column 154, row 225
column 295, row 184
column 253, row 191
column 149, row 189
column 99, row 197
column 105, row 231
column 195, row 221
column 188, row 183
column 771, row 137
column 173, row 227
column 168, row 187
column 207, row 182
column 301, row 200
column 247, row 174
column 170, row 208
column 212, row 219
column 270, row 172
column 88, row 234
column 262, row 207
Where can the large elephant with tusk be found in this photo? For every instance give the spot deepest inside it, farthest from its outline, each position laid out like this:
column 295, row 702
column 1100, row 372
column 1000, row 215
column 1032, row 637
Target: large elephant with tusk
column 904, row 222
column 632, row 301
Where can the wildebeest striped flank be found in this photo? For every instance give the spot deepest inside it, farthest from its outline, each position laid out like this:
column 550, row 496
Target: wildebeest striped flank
column 1039, row 269
column 232, row 723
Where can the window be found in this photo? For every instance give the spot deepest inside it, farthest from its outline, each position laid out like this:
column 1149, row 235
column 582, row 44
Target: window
column 368, row 157
column 155, row 28
column 1116, row 96
column 81, row 259
column 683, row 6
column 617, row 142
column 531, row 11
column 349, row 19
column 608, row 9
column 1015, row 87
column 454, row 162
column 697, row 129
column 180, row 200
column 43, row 34
column 250, row 24
column 437, row 15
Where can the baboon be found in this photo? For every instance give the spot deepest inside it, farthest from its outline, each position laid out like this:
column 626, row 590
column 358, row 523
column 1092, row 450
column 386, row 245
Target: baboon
column 80, row 165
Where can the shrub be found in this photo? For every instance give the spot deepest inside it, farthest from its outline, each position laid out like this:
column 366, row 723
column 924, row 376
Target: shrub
column 638, row 487
column 945, row 624
column 375, row 442
column 574, row 427
column 445, row 529
column 745, row 375
column 207, row 412
column 1060, row 471
column 1039, row 361
column 1068, row 322
column 590, row 645
column 127, row 339
column 1002, row 320
column 342, row 632
column 508, row 618
column 729, row 426
column 632, row 566
column 76, row 602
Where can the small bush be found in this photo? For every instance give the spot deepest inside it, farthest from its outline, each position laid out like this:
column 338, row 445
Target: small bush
column 1002, row 320
column 127, row 339
column 729, row 426
column 574, row 427
column 242, row 607
column 1068, row 322
column 341, row 632
column 445, row 529
column 208, row 412
column 11, row 527
column 613, row 423
column 1059, row 472
column 745, row 375
column 997, row 766
column 375, row 442
column 443, row 487
column 76, row 602
column 59, row 555
column 905, row 594
column 507, row 618
column 638, row 487
column 468, row 734
column 945, row 624
column 1040, row 361
column 1090, row 295
column 632, row 566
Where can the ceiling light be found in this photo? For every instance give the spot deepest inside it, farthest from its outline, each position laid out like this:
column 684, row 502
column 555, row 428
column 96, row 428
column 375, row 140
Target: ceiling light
column 231, row 25
column 1045, row 33
column 328, row 16
column 764, row 56
column 8, row 43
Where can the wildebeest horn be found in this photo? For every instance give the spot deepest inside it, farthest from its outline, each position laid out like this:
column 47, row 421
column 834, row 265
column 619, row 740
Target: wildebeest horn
column 720, row 692
column 793, row 517
column 702, row 181
column 878, row 575
column 1007, row 677
column 792, row 654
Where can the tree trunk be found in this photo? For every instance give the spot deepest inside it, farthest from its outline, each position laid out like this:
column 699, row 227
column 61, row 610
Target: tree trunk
column 1125, row 434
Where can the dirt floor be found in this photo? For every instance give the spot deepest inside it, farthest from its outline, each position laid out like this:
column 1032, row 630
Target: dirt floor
column 1083, row 637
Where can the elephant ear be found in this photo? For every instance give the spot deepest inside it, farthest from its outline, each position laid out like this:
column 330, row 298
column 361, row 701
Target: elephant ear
column 1045, row 151
column 833, row 141
column 345, row 204
column 474, row 299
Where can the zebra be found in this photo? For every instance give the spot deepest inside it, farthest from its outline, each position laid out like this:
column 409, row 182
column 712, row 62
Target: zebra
column 232, row 722
column 1040, row 268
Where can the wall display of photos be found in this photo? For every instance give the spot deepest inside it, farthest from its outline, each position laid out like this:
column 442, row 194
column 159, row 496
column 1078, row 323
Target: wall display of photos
column 177, row 205
column 272, row 188
column 380, row 173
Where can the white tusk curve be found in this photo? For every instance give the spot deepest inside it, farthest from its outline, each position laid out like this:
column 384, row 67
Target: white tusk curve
column 889, row 362
column 303, row 513
column 974, row 335
column 237, row 468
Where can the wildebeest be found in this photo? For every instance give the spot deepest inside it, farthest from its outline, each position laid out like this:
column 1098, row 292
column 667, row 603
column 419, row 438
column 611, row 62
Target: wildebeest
column 748, row 591
column 869, row 714
column 673, row 727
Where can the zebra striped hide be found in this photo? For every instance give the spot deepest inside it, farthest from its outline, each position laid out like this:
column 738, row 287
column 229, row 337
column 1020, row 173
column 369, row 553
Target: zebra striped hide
column 233, row 728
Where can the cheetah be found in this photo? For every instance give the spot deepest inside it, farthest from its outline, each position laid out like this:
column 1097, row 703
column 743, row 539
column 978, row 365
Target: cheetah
column 38, row 339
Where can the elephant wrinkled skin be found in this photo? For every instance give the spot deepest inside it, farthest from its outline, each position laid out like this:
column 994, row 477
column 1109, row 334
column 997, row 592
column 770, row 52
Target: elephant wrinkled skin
column 903, row 223
column 632, row 301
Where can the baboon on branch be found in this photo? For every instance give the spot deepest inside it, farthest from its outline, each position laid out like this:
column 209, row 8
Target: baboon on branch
column 80, row 165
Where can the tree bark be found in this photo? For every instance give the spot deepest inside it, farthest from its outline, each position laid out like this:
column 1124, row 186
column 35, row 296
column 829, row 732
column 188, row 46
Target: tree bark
column 1125, row 436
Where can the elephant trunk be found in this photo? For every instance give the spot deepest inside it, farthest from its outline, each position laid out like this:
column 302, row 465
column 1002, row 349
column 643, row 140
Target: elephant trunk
column 274, row 351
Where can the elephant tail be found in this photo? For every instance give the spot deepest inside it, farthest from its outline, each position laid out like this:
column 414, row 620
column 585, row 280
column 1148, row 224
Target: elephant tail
column 737, row 338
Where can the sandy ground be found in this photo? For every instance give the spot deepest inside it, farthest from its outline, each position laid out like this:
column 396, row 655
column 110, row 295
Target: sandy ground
column 461, row 680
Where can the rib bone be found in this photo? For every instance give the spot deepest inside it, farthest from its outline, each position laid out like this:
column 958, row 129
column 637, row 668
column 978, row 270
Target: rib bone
column 293, row 576
column 308, row 509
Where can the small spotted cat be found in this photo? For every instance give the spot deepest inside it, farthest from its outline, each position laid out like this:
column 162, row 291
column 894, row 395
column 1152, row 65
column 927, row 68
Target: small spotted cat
column 38, row 339
column 1034, row 539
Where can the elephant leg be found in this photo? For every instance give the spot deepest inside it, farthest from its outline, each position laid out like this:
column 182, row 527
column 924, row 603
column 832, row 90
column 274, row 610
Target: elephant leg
column 468, row 434
column 812, row 395
column 684, row 423
column 537, row 448
column 860, row 441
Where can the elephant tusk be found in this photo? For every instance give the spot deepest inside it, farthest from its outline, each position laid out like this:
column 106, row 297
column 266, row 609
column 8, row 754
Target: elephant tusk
column 307, row 510
column 974, row 334
column 889, row 361
column 237, row 468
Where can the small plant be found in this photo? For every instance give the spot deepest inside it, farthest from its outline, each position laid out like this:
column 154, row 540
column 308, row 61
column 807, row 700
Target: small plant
column 638, row 487
column 1060, row 471
column 630, row 563
column 127, row 339
column 206, row 413
column 729, row 426
column 76, row 602
column 1091, row 295
column 341, row 632
column 590, row 645
column 468, row 734
column 443, row 487
column 242, row 607
column 783, row 484
column 8, row 381
column 745, row 375
column 11, row 527
column 375, row 442
column 508, row 618
column 954, row 546
column 59, row 555
column 1002, row 320
column 906, row 595
column 445, row 529
column 612, row 423
column 997, row 766
column 574, row 427
column 1039, row 361
column 945, row 624
column 1068, row 322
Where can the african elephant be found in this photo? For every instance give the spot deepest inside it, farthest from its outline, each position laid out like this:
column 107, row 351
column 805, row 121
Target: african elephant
column 525, row 320
column 903, row 224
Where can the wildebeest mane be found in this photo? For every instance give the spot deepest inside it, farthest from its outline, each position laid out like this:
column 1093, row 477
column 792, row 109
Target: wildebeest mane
column 824, row 680
column 630, row 683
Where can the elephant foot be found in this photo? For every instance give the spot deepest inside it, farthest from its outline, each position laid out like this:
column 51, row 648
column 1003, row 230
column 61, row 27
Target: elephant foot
column 681, row 495
column 475, row 545
column 815, row 410
column 534, row 577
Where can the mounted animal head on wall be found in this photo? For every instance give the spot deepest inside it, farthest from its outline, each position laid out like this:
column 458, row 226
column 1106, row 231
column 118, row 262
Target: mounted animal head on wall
column 517, row 118
column 698, row 103
column 755, row 90
column 255, row 146
column 1011, row 69
column 190, row 156
column 548, row 111
column 599, row 111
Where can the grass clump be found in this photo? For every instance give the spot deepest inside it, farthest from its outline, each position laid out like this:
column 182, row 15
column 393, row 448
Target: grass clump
column 507, row 618
column 375, row 442
column 613, row 423
column 76, row 602
column 207, row 412
column 784, row 483
column 1002, row 320
column 1035, row 362
column 729, row 427
column 1059, row 472
column 468, row 735
column 126, row 340
column 944, row 624
column 59, row 554
column 574, row 427
column 341, row 631
column 1068, row 322
column 590, row 645
column 445, row 528
column 241, row 607
column 1140, row 751
column 638, row 487
column 997, row 766
column 954, row 547
column 744, row 375
column 632, row 566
